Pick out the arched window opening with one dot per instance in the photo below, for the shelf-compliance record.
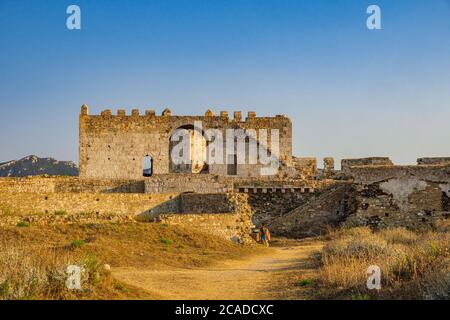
(147, 166)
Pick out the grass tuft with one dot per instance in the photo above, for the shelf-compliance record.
(305, 282)
(166, 241)
(60, 213)
(23, 224)
(78, 243)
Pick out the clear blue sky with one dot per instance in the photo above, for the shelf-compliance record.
(349, 91)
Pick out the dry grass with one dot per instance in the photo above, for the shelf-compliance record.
(33, 260)
(414, 265)
(39, 272)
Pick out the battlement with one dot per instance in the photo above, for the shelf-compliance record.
(151, 113)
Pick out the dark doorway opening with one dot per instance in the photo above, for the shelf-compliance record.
(232, 165)
(147, 166)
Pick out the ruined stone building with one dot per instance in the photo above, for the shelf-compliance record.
(123, 146)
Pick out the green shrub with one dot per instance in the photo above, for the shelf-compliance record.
(60, 212)
(304, 282)
(23, 224)
(93, 268)
(119, 286)
(78, 243)
(166, 241)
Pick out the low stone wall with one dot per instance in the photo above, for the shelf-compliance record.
(222, 225)
(207, 183)
(277, 185)
(347, 164)
(372, 174)
(49, 200)
(206, 203)
(109, 186)
(30, 184)
(70, 184)
(226, 215)
(434, 161)
(229, 216)
(179, 183)
(195, 203)
(75, 207)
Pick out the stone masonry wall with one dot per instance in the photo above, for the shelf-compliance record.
(232, 218)
(327, 209)
(45, 200)
(203, 183)
(371, 174)
(114, 146)
(406, 202)
(192, 203)
(434, 161)
(306, 167)
(206, 203)
(70, 184)
(40, 200)
(208, 183)
(328, 167)
(269, 206)
(412, 196)
(346, 164)
(416, 197)
(75, 207)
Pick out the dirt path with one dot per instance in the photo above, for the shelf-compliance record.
(273, 275)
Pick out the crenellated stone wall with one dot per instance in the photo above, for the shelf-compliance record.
(328, 167)
(114, 146)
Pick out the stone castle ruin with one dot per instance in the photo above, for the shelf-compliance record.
(127, 172)
(117, 146)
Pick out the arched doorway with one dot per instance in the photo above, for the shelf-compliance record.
(187, 150)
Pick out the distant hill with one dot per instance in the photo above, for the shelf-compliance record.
(33, 165)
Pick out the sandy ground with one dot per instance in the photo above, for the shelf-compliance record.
(272, 275)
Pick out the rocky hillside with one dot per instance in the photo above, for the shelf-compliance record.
(33, 165)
